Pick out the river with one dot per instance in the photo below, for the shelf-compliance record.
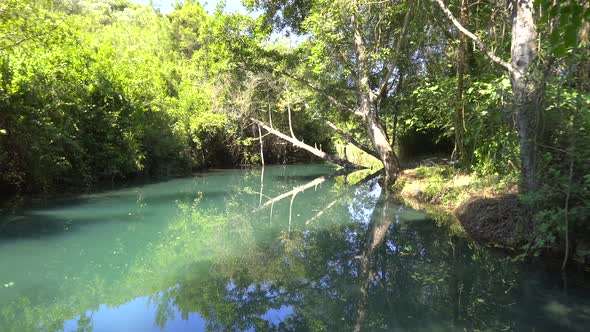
(284, 248)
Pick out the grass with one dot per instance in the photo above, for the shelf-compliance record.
(448, 187)
(442, 190)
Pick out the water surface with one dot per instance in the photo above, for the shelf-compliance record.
(287, 248)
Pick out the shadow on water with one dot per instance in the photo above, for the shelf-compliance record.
(9, 203)
(33, 226)
(73, 214)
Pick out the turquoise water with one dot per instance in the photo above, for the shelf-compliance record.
(287, 248)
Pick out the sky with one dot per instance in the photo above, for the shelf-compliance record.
(231, 6)
(166, 6)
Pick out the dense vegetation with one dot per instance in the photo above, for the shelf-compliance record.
(100, 90)
(96, 90)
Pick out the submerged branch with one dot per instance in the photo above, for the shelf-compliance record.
(295, 191)
(342, 195)
(312, 183)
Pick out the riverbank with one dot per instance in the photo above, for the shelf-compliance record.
(487, 209)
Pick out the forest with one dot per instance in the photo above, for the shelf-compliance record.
(95, 91)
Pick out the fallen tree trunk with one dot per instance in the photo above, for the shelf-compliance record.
(342, 195)
(295, 142)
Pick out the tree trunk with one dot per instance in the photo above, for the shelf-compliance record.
(526, 89)
(369, 114)
(459, 110)
(384, 150)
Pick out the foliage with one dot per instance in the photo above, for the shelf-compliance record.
(565, 155)
(102, 90)
(449, 187)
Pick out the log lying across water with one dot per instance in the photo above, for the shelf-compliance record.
(319, 153)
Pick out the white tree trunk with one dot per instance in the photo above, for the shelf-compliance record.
(374, 127)
(384, 149)
(526, 88)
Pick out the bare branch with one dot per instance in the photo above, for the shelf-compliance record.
(261, 146)
(348, 137)
(508, 66)
(295, 142)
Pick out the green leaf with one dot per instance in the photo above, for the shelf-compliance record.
(571, 36)
(560, 50)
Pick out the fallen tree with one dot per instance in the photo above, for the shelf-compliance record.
(319, 153)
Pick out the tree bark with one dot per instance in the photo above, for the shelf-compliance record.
(381, 143)
(459, 109)
(368, 112)
(295, 142)
(527, 90)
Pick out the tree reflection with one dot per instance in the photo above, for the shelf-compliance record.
(390, 268)
(383, 216)
(333, 256)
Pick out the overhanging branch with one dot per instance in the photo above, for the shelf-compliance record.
(295, 142)
(508, 66)
(349, 138)
(398, 48)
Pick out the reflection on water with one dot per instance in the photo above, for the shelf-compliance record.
(287, 248)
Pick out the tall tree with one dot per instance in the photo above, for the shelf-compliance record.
(460, 108)
(527, 88)
(351, 58)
